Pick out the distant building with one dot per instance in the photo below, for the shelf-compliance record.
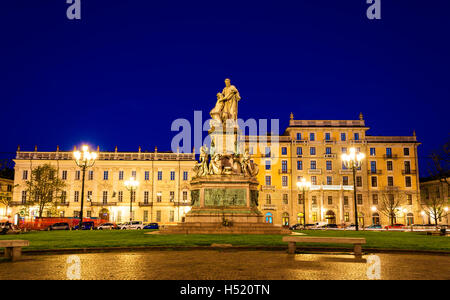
(309, 149)
(431, 187)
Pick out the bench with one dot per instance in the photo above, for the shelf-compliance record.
(357, 242)
(13, 248)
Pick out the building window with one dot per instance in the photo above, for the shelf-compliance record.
(299, 165)
(312, 150)
(91, 175)
(283, 151)
(300, 198)
(299, 136)
(390, 181)
(328, 150)
(89, 196)
(159, 197)
(374, 181)
(359, 199)
(406, 151)
(185, 175)
(77, 175)
(268, 180)
(284, 167)
(105, 175)
(344, 180)
(89, 214)
(285, 199)
(344, 150)
(76, 196)
(146, 175)
(389, 165)
(407, 165)
(105, 197)
(284, 181)
(267, 152)
(172, 175)
(268, 167)
(314, 216)
(268, 199)
(120, 197)
(145, 215)
(408, 181)
(299, 151)
(329, 180)
(185, 196)
(285, 219)
(313, 165)
(343, 137)
(409, 199)
(356, 136)
(345, 200)
(171, 216)
(373, 167)
(358, 181)
(346, 217)
(329, 165)
(133, 174)
(158, 216)
(375, 199)
(172, 196)
(159, 175)
(63, 196)
(120, 175)
(314, 200)
(330, 200)
(269, 218)
(24, 197)
(133, 196)
(63, 176)
(327, 136)
(372, 152)
(313, 180)
(76, 214)
(312, 137)
(388, 152)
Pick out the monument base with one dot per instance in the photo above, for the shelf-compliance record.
(218, 228)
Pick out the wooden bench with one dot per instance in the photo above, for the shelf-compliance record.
(13, 248)
(357, 242)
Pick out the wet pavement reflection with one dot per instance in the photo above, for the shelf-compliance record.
(227, 265)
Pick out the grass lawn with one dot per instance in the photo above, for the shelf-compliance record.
(123, 238)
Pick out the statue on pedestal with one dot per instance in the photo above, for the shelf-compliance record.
(227, 104)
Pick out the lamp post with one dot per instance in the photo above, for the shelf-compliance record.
(131, 185)
(353, 161)
(304, 185)
(84, 160)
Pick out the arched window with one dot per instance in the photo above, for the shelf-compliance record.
(375, 219)
(300, 218)
(269, 218)
(409, 219)
(285, 219)
(330, 216)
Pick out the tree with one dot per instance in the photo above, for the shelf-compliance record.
(390, 204)
(434, 206)
(6, 168)
(44, 188)
(6, 199)
(439, 166)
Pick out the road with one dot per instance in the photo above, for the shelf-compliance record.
(225, 265)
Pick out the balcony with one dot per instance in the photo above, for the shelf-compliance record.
(103, 203)
(16, 203)
(390, 156)
(300, 141)
(269, 207)
(182, 203)
(267, 187)
(345, 171)
(145, 204)
(408, 172)
(315, 171)
(329, 155)
(374, 172)
(65, 203)
(330, 141)
(284, 171)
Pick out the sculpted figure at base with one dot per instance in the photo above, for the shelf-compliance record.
(248, 168)
(215, 166)
(201, 168)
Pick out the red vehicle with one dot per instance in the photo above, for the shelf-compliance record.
(394, 226)
(45, 223)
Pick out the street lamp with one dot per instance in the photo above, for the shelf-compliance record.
(131, 185)
(84, 160)
(353, 161)
(304, 185)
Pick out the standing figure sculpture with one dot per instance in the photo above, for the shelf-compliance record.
(227, 103)
(201, 168)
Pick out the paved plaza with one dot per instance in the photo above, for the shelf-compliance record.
(226, 265)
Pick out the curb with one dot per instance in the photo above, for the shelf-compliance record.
(228, 248)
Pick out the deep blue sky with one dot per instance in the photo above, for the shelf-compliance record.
(122, 74)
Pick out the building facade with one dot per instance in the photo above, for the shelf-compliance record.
(6, 196)
(309, 149)
(435, 191)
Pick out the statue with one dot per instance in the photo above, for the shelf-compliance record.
(215, 165)
(227, 104)
(248, 168)
(201, 168)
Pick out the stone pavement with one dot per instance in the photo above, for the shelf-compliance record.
(225, 265)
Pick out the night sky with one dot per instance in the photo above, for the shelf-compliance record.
(127, 69)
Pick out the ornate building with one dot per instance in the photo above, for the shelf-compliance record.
(309, 149)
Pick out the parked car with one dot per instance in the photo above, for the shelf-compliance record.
(296, 226)
(106, 226)
(330, 226)
(132, 225)
(309, 226)
(350, 227)
(151, 226)
(375, 226)
(85, 226)
(394, 226)
(320, 225)
(59, 226)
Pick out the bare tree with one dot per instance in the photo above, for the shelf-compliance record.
(390, 204)
(6, 199)
(434, 207)
(44, 188)
(439, 166)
